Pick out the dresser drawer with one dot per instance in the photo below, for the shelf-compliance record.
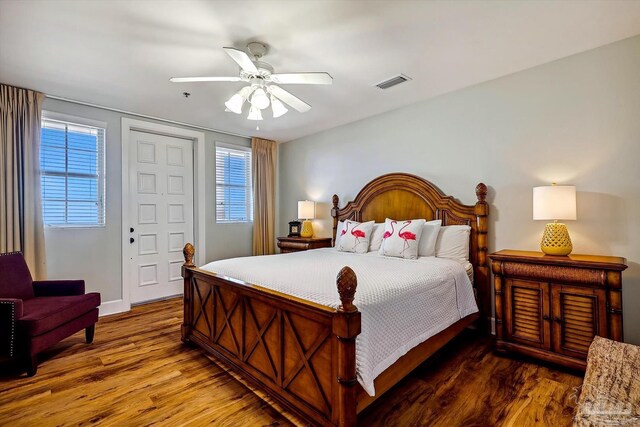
(297, 244)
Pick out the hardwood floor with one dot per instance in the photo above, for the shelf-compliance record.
(137, 372)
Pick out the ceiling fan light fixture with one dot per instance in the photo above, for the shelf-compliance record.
(234, 104)
(262, 89)
(254, 113)
(260, 99)
(278, 107)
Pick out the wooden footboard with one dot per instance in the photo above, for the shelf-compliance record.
(303, 354)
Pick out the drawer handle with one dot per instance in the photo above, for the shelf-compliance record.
(545, 317)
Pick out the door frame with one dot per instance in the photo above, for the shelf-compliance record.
(199, 223)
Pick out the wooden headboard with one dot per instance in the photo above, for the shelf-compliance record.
(403, 196)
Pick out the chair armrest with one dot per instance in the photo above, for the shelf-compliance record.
(58, 288)
(10, 312)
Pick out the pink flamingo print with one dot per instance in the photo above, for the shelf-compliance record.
(358, 234)
(388, 234)
(406, 236)
(344, 230)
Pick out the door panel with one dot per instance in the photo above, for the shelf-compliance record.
(527, 312)
(578, 315)
(161, 210)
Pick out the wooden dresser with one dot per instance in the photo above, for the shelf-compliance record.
(551, 307)
(297, 244)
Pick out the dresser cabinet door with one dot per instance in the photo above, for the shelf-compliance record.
(527, 313)
(578, 315)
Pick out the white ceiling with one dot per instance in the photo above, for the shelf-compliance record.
(120, 54)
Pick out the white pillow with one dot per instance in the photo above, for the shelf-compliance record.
(355, 236)
(453, 242)
(338, 232)
(427, 246)
(376, 236)
(401, 238)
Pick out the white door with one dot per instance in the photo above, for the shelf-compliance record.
(160, 212)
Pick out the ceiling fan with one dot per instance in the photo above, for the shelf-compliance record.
(262, 90)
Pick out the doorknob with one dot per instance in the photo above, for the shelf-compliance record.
(131, 240)
(131, 230)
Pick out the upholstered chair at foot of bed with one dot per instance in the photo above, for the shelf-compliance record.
(32, 360)
(35, 315)
(88, 333)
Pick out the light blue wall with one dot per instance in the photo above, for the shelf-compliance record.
(95, 254)
(575, 121)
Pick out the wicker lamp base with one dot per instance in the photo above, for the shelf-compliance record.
(307, 229)
(556, 240)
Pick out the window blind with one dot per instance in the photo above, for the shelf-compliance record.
(72, 174)
(234, 200)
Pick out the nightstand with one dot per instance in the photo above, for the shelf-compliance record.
(551, 307)
(297, 244)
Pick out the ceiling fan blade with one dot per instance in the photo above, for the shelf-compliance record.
(302, 78)
(242, 59)
(204, 79)
(289, 99)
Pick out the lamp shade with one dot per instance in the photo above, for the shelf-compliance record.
(260, 99)
(554, 202)
(306, 209)
(277, 107)
(254, 113)
(234, 104)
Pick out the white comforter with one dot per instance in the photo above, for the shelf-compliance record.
(403, 302)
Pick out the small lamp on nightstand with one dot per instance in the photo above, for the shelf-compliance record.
(555, 202)
(306, 211)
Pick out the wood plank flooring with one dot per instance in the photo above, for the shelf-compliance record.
(138, 373)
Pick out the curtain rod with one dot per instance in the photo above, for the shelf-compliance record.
(160, 119)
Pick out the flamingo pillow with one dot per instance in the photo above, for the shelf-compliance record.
(401, 238)
(354, 237)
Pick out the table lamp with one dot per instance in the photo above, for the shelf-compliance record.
(555, 202)
(306, 211)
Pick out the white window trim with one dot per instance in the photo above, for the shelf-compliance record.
(50, 115)
(82, 121)
(238, 148)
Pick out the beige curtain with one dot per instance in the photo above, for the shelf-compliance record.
(263, 167)
(21, 226)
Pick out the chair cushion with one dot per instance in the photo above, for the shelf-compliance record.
(42, 314)
(15, 278)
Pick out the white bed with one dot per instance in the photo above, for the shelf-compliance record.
(403, 302)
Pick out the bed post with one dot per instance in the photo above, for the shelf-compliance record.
(334, 213)
(482, 277)
(346, 327)
(188, 252)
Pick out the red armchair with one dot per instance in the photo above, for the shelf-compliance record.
(34, 315)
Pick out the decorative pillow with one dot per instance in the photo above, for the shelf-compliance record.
(339, 229)
(427, 246)
(401, 238)
(453, 242)
(355, 236)
(376, 236)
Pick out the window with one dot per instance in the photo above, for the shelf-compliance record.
(72, 174)
(234, 201)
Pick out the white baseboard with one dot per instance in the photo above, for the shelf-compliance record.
(157, 299)
(113, 307)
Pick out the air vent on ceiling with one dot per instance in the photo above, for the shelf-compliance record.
(393, 81)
